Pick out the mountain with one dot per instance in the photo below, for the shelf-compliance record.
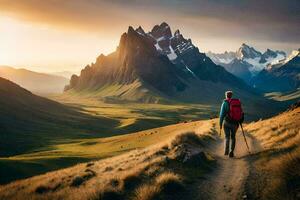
(281, 77)
(239, 68)
(28, 121)
(247, 62)
(222, 58)
(156, 66)
(40, 83)
(247, 52)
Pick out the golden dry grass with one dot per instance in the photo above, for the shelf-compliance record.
(280, 131)
(277, 166)
(164, 184)
(132, 175)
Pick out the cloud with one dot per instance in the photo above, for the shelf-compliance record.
(264, 20)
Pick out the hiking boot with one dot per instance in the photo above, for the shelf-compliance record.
(231, 154)
(226, 153)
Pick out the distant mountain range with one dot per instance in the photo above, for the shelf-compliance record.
(156, 66)
(247, 62)
(40, 83)
(283, 76)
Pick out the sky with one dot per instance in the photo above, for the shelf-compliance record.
(60, 35)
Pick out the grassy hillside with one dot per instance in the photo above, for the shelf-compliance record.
(172, 162)
(175, 158)
(277, 166)
(135, 113)
(29, 122)
(39, 83)
(57, 156)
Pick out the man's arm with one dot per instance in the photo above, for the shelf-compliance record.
(223, 112)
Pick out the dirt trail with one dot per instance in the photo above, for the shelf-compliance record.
(227, 182)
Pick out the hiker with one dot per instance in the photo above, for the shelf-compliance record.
(232, 114)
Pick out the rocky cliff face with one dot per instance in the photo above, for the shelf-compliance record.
(162, 62)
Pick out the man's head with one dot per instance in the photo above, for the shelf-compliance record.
(228, 94)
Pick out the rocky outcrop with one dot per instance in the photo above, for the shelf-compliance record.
(162, 63)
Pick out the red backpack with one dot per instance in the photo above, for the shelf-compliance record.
(235, 110)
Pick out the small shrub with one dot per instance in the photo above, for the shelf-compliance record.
(114, 182)
(107, 169)
(165, 148)
(77, 181)
(42, 189)
(186, 138)
(89, 173)
(147, 192)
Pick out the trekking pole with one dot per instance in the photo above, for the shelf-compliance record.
(245, 138)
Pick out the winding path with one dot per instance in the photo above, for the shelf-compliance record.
(228, 181)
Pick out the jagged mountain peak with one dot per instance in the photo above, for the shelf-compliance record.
(152, 63)
(281, 76)
(245, 51)
(162, 30)
(273, 53)
(140, 30)
(247, 57)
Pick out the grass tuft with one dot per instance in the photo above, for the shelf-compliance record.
(186, 138)
(147, 192)
(169, 182)
(111, 194)
(132, 180)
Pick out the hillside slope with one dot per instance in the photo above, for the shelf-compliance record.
(39, 83)
(277, 165)
(164, 162)
(28, 121)
(186, 163)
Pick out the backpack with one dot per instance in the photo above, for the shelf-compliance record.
(235, 113)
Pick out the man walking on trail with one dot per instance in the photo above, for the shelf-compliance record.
(232, 114)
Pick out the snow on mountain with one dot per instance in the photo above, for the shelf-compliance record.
(168, 44)
(247, 57)
(257, 65)
(246, 52)
(294, 54)
(283, 77)
(155, 65)
(221, 58)
(280, 62)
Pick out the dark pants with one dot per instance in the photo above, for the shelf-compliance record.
(230, 131)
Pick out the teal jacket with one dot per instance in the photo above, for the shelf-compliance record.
(224, 111)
